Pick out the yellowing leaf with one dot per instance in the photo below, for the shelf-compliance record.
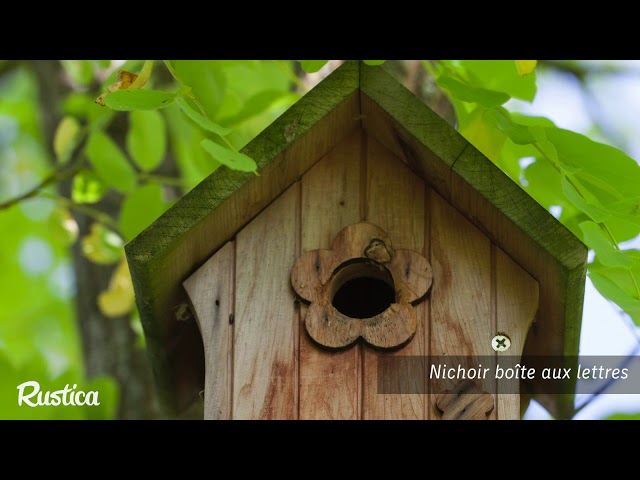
(525, 67)
(63, 227)
(101, 245)
(66, 139)
(125, 80)
(118, 299)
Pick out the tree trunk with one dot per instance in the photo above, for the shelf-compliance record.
(108, 343)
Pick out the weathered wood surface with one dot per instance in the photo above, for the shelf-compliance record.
(408, 128)
(265, 331)
(465, 402)
(493, 203)
(329, 381)
(185, 236)
(544, 248)
(212, 295)
(354, 96)
(361, 250)
(396, 202)
(516, 306)
(462, 319)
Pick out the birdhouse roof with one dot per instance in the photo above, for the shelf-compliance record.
(355, 96)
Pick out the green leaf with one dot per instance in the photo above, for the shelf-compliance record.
(79, 70)
(596, 212)
(140, 209)
(544, 183)
(207, 81)
(101, 64)
(620, 284)
(66, 139)
(229, 158)
(624, 416)
(87, 187)
(137, 99)
(63, 227)
(531, 120)
(201, 120)
(518, 134)
(484, 135)
(526, 67)
(612, 169)
(615, 284)
(118, 299)
(622, 230)
(500, 76)
(311, 66)
(255, 105)
(84, 106)
(146, 139)
(193, 162)
(472, 94)
(110, 164)
(606, 252)
(136, 326)
(607, 181)
(101, 245)
(373, 63)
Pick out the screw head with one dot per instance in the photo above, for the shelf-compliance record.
(501, 342)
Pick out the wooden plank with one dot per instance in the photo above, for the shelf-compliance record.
(185, 236)
(462, 322)
(395, 202)
(330, 381)
(494, 204)
(465, 402)
(516, 306)
(407, 127)
(197, 226)
(544, 248)
(265, 330)
(211, 292)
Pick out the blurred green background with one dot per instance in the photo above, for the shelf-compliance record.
(78, 180)
(68, 313)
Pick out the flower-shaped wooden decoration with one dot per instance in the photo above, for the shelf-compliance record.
(465, 402)
(362, 287)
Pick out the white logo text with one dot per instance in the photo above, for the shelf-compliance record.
(66, 396)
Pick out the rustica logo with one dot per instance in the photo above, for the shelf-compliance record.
(66, 396)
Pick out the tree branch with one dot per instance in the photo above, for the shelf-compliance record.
(57, 175)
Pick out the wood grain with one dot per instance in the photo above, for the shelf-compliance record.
(211, 291)
(462, 323)
(361, 251)
(544, 248)
(495, 204)
(330, 382)
(265, 381)
(516, 307)
(355, 96)
(395, 202)
(465, 402)
(407, 127)
(187, 234)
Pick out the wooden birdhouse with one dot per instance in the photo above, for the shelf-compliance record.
(374, 231)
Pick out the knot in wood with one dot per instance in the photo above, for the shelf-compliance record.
(377, 251)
